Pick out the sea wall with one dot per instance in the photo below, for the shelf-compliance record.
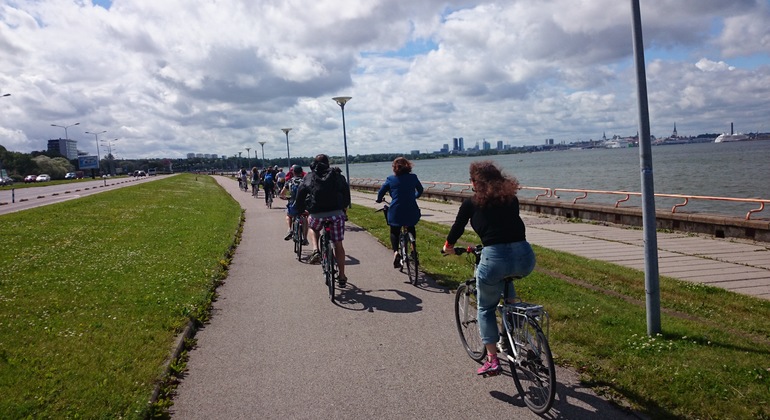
(720, 226)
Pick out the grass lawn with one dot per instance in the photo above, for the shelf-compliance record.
(711, 361)
(94, 291)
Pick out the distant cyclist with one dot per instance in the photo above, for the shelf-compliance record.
(254, 180)
(289, 192)
(404, 189)
(244, 181)
(268, 184)
(325, 194)
(280, 178)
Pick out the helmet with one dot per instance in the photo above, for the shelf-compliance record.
(296, 169)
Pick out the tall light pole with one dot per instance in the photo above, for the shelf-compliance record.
(341, 101)
(65, 127)
(96, 136)
(239, 160)
(110, 157)
(262, 143)
(248, 157)
(288, 157)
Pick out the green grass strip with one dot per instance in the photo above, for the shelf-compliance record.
(712, 360)
(94, 291)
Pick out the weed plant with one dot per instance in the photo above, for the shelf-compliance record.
(94, 291)
(712, 359)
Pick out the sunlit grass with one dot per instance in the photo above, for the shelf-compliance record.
(712, 359)
(94, 291)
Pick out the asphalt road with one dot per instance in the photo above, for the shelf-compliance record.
(25, 198)
(276, 347)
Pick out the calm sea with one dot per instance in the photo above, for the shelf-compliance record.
(740, 169)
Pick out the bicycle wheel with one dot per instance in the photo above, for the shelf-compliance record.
(327, 261)
(270, 200)
(534, 374)
(412, 264)
(296, 233)
(466, 316)
(403, 251)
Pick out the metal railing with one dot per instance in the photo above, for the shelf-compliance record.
(686, 198)
(462, 189)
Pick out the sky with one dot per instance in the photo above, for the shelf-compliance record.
(166, 78)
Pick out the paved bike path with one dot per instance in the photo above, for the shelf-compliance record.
(277, 348)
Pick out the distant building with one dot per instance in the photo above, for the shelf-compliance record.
(445, 149)
(499, 145)
(67, 148)
(485, 145)
(462, 145)
(191, 156)
(414, 152)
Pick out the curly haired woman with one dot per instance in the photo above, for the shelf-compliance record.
(494, 215)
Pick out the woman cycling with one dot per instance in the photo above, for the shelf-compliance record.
(404, 188)
(494, 215)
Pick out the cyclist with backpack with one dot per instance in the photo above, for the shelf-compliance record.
(325, 194)
(268, 183)
(291, 187)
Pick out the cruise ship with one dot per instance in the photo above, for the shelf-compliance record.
(725, 138)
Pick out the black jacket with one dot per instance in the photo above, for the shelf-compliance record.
(323, 190)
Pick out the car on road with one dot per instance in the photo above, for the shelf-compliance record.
(6, 181)
(43, 178)
(152, 172)
(30, 178)
(70, 175)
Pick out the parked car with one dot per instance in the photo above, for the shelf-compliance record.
(70, 175)
(43, 178)
(6, 181)
(152, 172)
(140, 173)
(30, 178)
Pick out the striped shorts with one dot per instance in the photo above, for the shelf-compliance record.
(338, 226)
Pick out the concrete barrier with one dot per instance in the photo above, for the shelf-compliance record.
(720, 226)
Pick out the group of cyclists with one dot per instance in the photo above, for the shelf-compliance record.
(323, 194)
(271, 179)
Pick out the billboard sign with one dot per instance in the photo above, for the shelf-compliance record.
(88, 162)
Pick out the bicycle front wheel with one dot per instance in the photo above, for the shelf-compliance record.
(534, 373)
(296, 236)
(466, 317)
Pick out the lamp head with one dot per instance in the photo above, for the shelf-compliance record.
(286, 130)
(342, 100)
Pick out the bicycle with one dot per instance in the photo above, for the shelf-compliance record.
(407, 249)
(298, 234)
(269, 200)
(328, 261)
(255, 190)
(529, 356)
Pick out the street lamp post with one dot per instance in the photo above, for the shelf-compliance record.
(110, 157)
(239, 160)
(98, 158)
(341, 101)
(262, 143)
(65, 127)
(288, 157)
(248, 157)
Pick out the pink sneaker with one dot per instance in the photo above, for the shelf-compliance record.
(490, 368)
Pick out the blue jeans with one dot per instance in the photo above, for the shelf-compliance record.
(498, 262)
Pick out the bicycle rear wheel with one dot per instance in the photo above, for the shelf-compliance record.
(466, 317)
(412, 264)
(534, 374)
(296, 237)
(327, 260)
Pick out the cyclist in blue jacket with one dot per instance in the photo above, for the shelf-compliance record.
(404, 189)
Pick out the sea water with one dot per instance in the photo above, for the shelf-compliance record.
(738, 169)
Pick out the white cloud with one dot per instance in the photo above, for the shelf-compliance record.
(173, 77)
